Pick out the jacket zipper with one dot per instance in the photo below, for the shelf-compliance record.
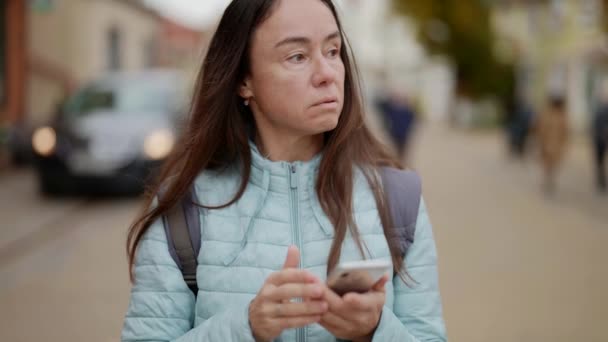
(293, 195)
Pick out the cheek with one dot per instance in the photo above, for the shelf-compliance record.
(294, 86)
(282, 92)
(341, 76)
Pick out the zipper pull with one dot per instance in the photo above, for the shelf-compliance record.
(293, 179)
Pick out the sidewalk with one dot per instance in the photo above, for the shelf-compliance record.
(514, 265)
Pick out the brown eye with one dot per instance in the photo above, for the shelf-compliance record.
(299, 58)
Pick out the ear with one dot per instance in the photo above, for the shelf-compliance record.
(245, 88)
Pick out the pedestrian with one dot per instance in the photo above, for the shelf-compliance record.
(519, 128)
(277, 153)
(399, 118)
(600, 141)
(552, 129)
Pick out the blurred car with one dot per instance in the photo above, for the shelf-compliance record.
(111, 135)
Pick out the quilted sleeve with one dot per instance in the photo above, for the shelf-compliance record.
(417, 313)
(162, 307)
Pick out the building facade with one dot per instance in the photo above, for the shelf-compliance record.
(73, 41)
(12, 60)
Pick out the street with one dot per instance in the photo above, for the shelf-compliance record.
(514, 265)
(63, 271)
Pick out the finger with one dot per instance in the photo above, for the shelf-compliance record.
(295, 290)
(333, 321)
(358, 302)
(336, 303)
(292, 260)
(291, 275)
(297, 322)
(338, 307)
(332, 298)
(363, 302)
(312, 308)
(379, 285)
(352, 299)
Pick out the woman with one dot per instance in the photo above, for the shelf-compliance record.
(552, 128)
(279, 154)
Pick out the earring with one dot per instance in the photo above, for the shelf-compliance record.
(246, 102)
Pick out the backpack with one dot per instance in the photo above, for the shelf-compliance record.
(182, 222)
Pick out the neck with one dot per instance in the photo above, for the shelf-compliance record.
(279, 147)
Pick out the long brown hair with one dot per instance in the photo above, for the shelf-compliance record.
(216, 136)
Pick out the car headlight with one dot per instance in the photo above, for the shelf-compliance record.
(158, 144)
(44, 141)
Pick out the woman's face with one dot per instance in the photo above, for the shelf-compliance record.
(296, 83)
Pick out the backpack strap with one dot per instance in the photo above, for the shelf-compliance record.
(403, 191)
(182, 227)
(182, 222)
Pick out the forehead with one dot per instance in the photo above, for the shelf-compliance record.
(306, 18)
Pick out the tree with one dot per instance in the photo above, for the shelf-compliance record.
(462, 31)
(605, 15)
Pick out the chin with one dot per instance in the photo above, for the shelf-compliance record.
(326, 125)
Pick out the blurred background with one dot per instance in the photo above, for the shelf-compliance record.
(501, 106)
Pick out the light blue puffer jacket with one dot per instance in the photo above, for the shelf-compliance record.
(245, 242)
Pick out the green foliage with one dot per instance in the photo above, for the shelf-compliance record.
(462, 31)
(605, 15)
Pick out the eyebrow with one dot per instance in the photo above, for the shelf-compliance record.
(304, 40)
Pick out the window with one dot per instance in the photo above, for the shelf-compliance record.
(41, 6)
(89, 100)
(150, 53)
(128, 98)
(114, 49)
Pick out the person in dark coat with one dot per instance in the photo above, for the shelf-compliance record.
(399, 118)
(600, 142)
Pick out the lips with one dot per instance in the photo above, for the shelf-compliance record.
(326, 100)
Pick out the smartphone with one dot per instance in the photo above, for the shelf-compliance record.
(357, 276)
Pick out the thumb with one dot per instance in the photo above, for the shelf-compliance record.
(292, 260)
(379, 285)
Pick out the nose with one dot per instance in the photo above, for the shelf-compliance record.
(324, 72)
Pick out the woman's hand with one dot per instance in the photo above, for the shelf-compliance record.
(272, 310)
(354, 316)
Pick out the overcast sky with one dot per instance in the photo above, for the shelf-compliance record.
(194, 13)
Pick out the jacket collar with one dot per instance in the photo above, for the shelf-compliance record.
(282, 173)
